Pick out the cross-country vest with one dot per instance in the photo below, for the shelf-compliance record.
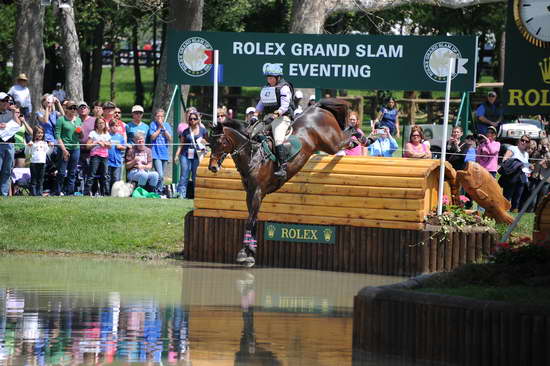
(270, 96)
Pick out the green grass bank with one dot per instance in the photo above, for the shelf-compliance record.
(106, 225)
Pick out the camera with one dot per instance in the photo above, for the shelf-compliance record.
(380, 131)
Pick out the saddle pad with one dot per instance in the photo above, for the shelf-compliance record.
(292, 145)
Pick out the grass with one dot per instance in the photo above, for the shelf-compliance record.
(514, 294)
(107, 225)
(125, 88)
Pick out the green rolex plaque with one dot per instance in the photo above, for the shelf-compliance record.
(300, 233)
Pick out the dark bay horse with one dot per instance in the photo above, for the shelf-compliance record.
(320, 127)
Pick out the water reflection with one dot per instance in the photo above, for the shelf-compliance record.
(60, 311)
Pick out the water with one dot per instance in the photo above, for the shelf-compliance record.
(80, 310)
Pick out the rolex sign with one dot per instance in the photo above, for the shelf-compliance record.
(527, 64)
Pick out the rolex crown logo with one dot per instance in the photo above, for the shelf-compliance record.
(328, 234)
(271, 231)
(545, 69)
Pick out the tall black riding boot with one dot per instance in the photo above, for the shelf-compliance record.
(281, 168)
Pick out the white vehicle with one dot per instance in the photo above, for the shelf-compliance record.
(510, 132)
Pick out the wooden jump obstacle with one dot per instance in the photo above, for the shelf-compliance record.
(376, 207)
(541, 230)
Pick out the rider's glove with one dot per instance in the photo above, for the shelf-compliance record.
(254, 119)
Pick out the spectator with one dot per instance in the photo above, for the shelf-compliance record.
(385, 145)
(249, 115)
(489, 113)
(358, 138)
(88, 125)
(47, 117)
(68, 131)
(116, 154)
(160, 135)
(109, 114)
(416, 148)
(311, 100)
(471, 155)
(542, 169)
(515, 171)
(298, 96)
(59, 93)
(139, 162)
(183, 124)
(37, 150)
(99, 141)
(188, 153)
(136, 125)
(8, 127)
(221, 114)
(389, 116)
(22, 136)
(97, 109)
(21, 94)
(488, 150)
(454, 148)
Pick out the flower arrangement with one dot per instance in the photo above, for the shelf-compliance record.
(455, 216)
(521, 250)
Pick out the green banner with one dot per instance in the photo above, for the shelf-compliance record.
(323, 61)
(527, 61)
(300, 233)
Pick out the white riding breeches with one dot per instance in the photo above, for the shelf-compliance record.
(279, 126)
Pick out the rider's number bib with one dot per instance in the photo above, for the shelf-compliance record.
(268, 96)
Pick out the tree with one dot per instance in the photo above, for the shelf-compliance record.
(71, 52)
(29, 54)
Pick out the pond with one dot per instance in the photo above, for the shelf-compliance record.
(88, 310)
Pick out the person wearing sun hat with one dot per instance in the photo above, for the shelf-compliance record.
(21, 94)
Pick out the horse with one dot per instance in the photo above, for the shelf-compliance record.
(321, 127)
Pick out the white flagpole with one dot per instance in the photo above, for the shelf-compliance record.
(215, 101)
(444, 142)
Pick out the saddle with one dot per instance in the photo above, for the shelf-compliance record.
(261, 133)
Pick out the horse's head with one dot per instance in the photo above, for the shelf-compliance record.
(222, 143)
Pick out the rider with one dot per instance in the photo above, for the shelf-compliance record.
(277, 98)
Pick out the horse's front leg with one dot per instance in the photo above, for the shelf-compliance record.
(248, 252)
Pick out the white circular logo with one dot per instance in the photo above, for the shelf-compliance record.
(436, 61)
(191, 56)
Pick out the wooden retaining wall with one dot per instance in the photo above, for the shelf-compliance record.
(379, 192)
(399, 327)
(357, 249)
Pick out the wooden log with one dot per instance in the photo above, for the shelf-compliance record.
(336, 212)
(314, 220)
(333, 178)
(325, 199)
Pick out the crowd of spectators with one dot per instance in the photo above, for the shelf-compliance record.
(75, 149)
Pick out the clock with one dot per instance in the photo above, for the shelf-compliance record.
(532, 18)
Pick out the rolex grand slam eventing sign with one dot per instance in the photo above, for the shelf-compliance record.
(324, 61)
(527, 64)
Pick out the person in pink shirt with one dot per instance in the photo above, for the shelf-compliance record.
(99, 142)
(487, 151)
(353, 122)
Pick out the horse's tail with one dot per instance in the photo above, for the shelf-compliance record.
(338, 107)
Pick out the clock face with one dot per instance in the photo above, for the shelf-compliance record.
(533, 20)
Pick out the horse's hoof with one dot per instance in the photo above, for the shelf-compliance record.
(242, 255)
(249, 262)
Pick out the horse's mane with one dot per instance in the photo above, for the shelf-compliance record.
(234, 124)
(338, 107)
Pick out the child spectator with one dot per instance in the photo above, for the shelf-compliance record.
(116, 154)
(100, 141)
(487, 151)
(470, 142)
(37, 149)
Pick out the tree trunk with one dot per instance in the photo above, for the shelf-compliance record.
(97, 63)
(29, 56)
(137, 70)
(71, 54)
(308, 16)
(184, 15)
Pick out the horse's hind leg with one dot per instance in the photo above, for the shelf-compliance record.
(248, 252)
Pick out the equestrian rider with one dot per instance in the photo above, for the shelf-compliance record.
(277, 98)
